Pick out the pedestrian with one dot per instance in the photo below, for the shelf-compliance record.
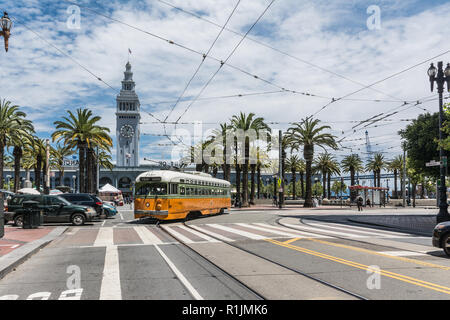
(368, 203)
(359, 203)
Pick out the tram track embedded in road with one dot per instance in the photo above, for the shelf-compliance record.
(328, 284)
(261, 297)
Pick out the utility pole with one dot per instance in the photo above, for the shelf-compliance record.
(280, 170)
(98, 174)
(47, 171)
(404, 175)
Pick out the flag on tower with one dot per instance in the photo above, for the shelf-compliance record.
(129, 50)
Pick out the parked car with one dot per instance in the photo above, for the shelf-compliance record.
(109, 209)
(441, 236)
(85, 199)
(54, 209)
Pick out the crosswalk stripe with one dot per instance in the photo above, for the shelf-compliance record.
(298, 232)
(383, 233)
(110, 288)
(177, 235)
(147, 236)
(319, 225)
(213, 234)
(198, 234)
(105, 237)
(282, 233)
(403, 253)
(239, 232)
(301, 227)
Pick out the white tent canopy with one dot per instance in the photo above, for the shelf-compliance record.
(109, 188)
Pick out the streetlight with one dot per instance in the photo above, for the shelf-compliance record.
(5, 24)
(74, 185)
(441, 76)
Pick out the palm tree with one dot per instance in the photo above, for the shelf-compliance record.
(19, 139)
(80, 131)
(11, 121)
(396, 166)
(293, 164)
(376, 165)
(58, 155)
(327, 165)
(247, 123)
(37, 150)
(352, 164)
(308, 133)
(220, 137)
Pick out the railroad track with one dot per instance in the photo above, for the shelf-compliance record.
(299, 272)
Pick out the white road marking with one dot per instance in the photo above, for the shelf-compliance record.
(302, 233)
(121, 216)
(239, 232)
(279, 232)
(147, 236)
(105, 237)
(360, 229)
(180, 276)
(198, 234)
(110, 287)
(177, 235)
(301, 227)
(403, 253)
(103, 223)
(218, 236)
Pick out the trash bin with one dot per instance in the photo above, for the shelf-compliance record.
(32, 217)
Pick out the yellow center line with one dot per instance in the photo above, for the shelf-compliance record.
(423, 263)
(389, 274)
(291, 240)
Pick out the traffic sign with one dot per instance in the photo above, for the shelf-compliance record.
(433, 163)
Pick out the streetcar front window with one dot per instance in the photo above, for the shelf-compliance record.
(151, 189)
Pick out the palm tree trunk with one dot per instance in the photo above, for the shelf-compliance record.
(395, 184)
(258, 177)
(252, 183)
(245, 174)
(324, 181)
(37, 172)
(44, 175)
(374, 178)
(329, 185)
(308, 193)
(293, 179)
(352, 182)
(302, 191)
(17, 156)
(379, 178)
(414, 194)
(90, 170)
(81, 167)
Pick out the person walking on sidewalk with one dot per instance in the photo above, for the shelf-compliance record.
(359, 203)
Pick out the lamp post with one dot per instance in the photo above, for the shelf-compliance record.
(5, 32)
(74, 177)
(441, 76)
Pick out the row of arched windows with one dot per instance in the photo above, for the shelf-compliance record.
(127, 106)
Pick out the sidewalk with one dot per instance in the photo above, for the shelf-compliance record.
(421, 224)
(18, 244)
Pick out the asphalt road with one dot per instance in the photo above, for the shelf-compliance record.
(121, 258)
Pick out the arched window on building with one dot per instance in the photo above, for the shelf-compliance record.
(124, 183)
(105, 180)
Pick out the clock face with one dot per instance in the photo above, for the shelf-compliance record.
(126, 131)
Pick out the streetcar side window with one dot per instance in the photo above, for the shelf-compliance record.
(182, 192)
(173, 188)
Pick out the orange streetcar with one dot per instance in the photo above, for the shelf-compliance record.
(170, 195)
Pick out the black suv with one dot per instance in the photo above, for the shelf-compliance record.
(54, 209)
(85, 199)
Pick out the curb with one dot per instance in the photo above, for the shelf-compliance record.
(418, 232)
(11, 260)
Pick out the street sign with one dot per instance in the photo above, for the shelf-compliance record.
(433, 163)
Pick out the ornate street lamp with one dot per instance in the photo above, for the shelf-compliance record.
(441, 76)
(5, 24)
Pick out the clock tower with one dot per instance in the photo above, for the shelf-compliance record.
(127, 122)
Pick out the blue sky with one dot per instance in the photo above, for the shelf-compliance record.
(332, 36)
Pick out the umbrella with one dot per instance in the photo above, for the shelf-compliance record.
(28, 191)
